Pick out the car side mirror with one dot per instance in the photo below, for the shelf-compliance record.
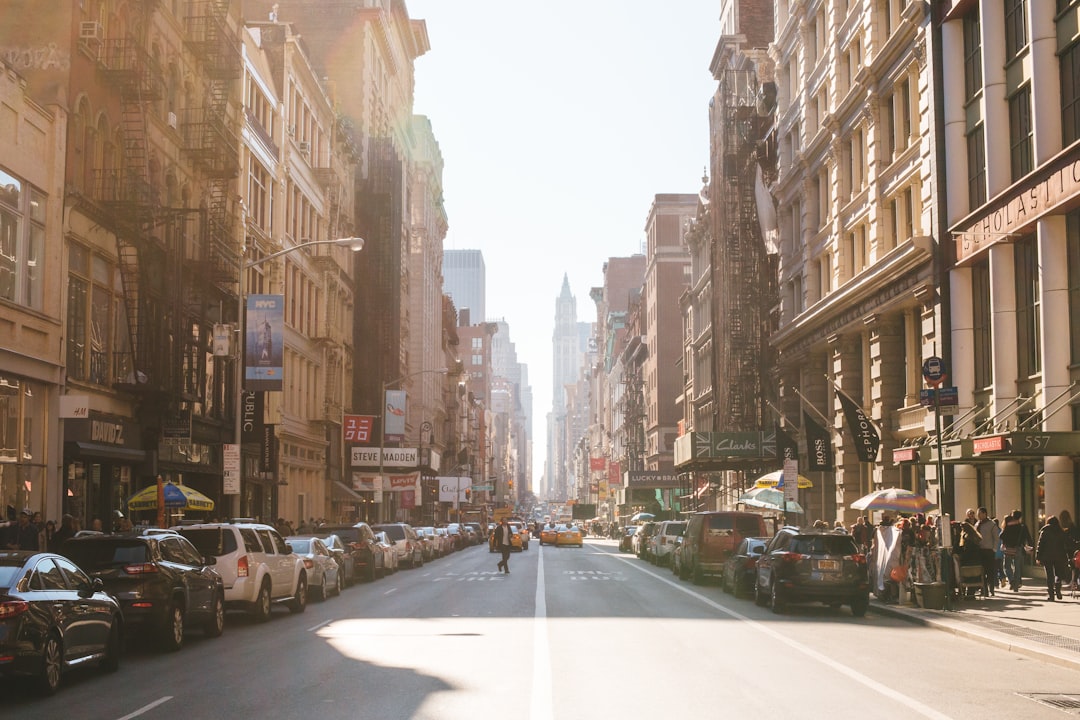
(96, 586)
(209, 560)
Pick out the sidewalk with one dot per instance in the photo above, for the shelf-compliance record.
(1023, 622)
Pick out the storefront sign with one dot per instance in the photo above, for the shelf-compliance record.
(102, 429)
(358, 428)
(251, 418)
(900, 455)
(391, 457)
(704, 446)
(651, 479)
(75, 406)
(994, 443)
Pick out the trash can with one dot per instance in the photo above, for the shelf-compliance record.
(930, 595)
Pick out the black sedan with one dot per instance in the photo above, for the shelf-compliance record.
(740, 568)
(163, 583)
(52, 617)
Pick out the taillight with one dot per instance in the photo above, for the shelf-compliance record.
(11, 608)
(857, 558)
(242, 566)
(791, 557)
(308, 563)
(140, 569)
(663, 540)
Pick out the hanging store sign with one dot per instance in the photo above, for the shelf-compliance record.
(391, 457)
(359, 428)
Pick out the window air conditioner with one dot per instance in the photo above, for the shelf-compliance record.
(304, 147)
(91, 32)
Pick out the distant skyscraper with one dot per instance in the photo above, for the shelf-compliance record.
(566, 346)
(464, 281)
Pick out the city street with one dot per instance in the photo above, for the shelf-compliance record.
(570, 633)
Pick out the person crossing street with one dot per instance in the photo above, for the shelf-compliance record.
(503, 535)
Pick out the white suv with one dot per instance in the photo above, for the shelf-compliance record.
(255, 563)
(663, 542)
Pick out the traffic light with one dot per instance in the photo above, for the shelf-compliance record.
(468, 493)
(511, 482)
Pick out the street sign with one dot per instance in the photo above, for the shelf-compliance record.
(947, 397)
(934, 371)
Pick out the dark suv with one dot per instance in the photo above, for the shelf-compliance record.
(359, 539)
(812, 566)
(162, 582)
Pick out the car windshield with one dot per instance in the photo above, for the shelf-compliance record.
(823, 545)
(210, 541)
(96, 555)
(300, 545)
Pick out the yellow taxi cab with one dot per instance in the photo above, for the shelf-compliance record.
(548, 535)
(569, 535)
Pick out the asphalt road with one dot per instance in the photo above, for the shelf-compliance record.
(571, 633)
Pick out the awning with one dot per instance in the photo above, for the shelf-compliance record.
(341, 492)
(108, 452)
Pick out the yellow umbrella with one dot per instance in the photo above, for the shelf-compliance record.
(174, 496)
(776, 478)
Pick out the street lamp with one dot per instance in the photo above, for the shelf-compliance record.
(356, 244)
(426, 430)
(382, 413)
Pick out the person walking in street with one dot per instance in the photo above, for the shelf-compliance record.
(503, 533)
(988, 542)
(1050, 553)
(1072, 543)
(1015, 540)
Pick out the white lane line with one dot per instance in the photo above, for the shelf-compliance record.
(146, 708)
(541, 681)
(920, 708)
(322, 624)
(390, 591)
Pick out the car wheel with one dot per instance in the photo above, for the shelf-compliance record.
(371, 570)
(776, 600)
(860, 605)
(724, 587)
(261, 609)
(759, 597)
(51, 665)
(298, 604)
(699, 576)
(172, 632)
(111, 662)
(320, 591)
(684, 571)
(216, 624)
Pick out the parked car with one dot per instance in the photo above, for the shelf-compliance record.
(663, 540)
(812, 565)
(163, 583)
(54, 616)
(710, 537)
(458, 535)
(426, 536)
(342, 555)
(476, 533)
(446, 543)
(386, 555)
(641, 539)
(410, 551)
(676, 555)
(324, 577)
(569, 535)
(255, 564)
(359, 540)
(626, 540)
(741, 567)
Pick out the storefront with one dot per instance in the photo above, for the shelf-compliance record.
(23, 442)
(102, 455)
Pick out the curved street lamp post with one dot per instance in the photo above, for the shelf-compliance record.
(356, 244)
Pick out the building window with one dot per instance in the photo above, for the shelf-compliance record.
(1020, 133)
(983, 350)
(1028, 308)
(477, 359)
(478, 343)
(1070, 93)
(972, 55)
(22, 241)
(1016, 37)
(260, 195)
(91, 317)
(976, 158)
(1072, 240)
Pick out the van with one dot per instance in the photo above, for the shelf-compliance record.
(710, 537)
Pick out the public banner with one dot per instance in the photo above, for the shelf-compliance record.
(251, 421)
(863, 431)
(394, 416)
(263, 346)
(359, 429)
(818, 444)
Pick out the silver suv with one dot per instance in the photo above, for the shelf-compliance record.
(255, 564)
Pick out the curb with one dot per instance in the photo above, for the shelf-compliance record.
(944, 620)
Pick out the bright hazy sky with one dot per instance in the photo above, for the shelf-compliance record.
(558, 124)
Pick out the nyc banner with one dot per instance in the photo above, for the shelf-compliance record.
(265, 327)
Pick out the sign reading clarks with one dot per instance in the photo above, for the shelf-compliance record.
(391, 457)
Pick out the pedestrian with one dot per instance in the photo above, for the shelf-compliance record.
(45, 537)
(1072, 542)
(862, 533)
(988, 542)
(1015, 539)
(1050, 553)
(502, 540)
(25, 536)
(64, 532)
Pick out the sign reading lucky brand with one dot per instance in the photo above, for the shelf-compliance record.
(391, 457)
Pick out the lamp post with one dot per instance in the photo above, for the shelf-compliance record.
(356, 244)
(382, 410)
(426, 428)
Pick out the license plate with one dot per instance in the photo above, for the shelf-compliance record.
(829, 565)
